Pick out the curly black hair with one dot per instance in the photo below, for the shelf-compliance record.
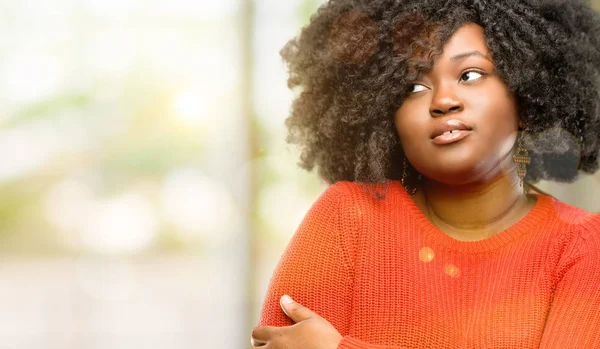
(353, 63)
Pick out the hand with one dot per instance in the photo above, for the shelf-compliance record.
(310, 331)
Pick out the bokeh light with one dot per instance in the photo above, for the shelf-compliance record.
(124, 224)
(451, 270)
(426, 254)
(190, 107)
(200, 207)
(27, 148)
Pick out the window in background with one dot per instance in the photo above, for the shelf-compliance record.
(285, 192)
(122, 136)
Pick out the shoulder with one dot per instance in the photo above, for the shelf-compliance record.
(352, 190)
(360, 208)
(584, 228)
(375, 201)
(349, 199)
(338, 205)
(584, 252)
(589, 235)
(572, 214)
(570, 234)
(366, 193)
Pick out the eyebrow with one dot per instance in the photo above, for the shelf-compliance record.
(462, 56)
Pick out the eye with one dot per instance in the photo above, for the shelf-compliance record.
(417, 88)
(474, 74)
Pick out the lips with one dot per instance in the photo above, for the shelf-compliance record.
(449, 126)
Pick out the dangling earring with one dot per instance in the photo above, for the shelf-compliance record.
(411, 191)
(521, 158)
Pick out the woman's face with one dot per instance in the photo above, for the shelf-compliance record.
(461, 92)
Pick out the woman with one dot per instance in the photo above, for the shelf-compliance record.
(430, 118)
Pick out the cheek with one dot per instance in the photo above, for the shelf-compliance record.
(408, 126)
(497, 126)
(499, 117)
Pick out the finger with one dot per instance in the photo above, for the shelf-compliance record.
(262, 334)
(294, 310)
(257, 343)
(266, 346)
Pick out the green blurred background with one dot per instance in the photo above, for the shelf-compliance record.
(146, 191)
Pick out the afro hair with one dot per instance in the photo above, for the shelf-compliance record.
(353, 63)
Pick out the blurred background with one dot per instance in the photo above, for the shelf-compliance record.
(146, 190)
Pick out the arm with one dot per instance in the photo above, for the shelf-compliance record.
(574, 317)
(315, 268)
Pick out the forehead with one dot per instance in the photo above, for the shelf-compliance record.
(469, 37)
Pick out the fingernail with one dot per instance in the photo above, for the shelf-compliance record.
(286, 299)
(257, 343)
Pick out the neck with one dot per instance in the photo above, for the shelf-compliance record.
(476, 211)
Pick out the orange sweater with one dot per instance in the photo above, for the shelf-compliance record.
(386, 277)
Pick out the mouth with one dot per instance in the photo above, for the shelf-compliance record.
(450, 131)
(451, 136)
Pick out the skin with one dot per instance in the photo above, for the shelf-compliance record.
(310, 331)
(472, 188)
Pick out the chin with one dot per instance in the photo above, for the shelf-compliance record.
(468, 175)
(460, 165)
(458, 172)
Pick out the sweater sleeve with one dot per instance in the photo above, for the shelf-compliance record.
(574, 317)
(315, 267)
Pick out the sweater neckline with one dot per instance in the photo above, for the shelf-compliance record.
(530, 223)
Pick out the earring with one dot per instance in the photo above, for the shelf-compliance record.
(411, 191)
(521, 158)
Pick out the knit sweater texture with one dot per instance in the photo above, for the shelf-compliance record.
(386, 277)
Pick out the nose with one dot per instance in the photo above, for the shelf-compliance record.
(445, 101)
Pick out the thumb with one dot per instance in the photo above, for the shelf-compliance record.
(294, 310)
